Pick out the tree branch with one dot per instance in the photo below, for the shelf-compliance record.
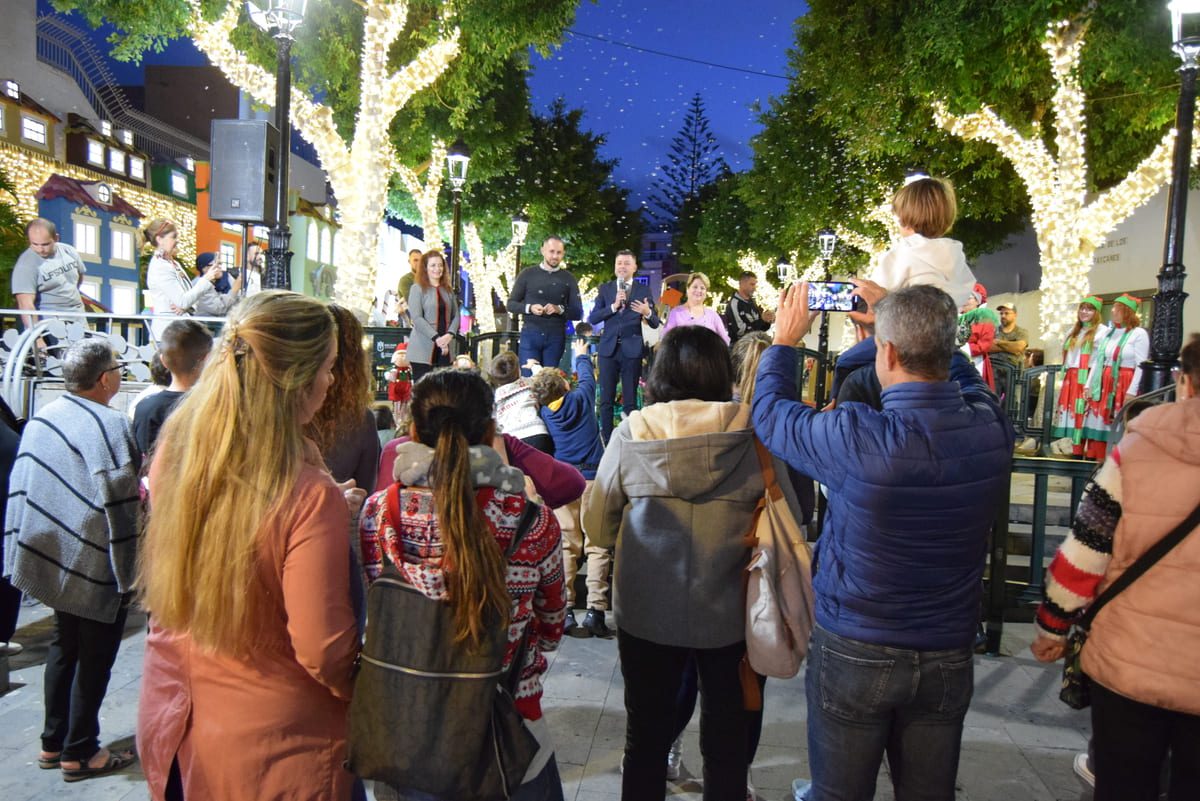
(419, 73)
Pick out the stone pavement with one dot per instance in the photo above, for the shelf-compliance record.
(1018, 745)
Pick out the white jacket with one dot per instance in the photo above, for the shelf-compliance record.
(938, 262)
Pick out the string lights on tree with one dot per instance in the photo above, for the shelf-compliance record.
(1069, 229)
(426, 195)
(488, 273)
(359, 170)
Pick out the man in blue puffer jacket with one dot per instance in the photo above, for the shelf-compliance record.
(913, 491)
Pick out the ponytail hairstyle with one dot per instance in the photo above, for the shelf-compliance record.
(452, 410)
(225, 466)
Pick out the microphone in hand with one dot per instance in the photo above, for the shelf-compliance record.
(622, 294)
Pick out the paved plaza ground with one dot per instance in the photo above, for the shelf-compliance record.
(1018, 745)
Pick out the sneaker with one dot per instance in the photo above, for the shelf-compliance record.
(11, 648)
(1083, 769)
(675, 758)
(750, 796)
(1027, 445)
(593, 624)
(570, 624)
(800, 788)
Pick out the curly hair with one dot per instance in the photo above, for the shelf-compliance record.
(350, 395)
(548, 385)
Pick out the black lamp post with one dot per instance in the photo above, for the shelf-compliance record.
(1166, 334)
(280, 18)
(458, 157)
(828, 241)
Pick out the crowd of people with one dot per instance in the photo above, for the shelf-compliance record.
(354, 593)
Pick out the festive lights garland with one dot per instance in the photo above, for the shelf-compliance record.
(29, 171)
(359, 171)
(1068, 228)
(426, 195)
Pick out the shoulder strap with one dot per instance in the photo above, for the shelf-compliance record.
(765, 463)
(391, 507)
(1142, 564)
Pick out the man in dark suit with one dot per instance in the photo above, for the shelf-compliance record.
(621, 305)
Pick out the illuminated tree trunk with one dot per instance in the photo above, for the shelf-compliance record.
(360, 170)
(1069, 229)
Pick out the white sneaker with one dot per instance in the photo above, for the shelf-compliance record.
(675, 758)
(1083, 769)
(11, 648)
(800, 788)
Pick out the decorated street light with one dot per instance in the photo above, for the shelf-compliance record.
(458, 158)
(1166, 333)
(280, 18)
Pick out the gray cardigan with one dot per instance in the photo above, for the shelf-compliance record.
(676, 491)
(70, 533)
(422, 305)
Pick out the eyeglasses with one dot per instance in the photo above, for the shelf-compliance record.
(114, 367)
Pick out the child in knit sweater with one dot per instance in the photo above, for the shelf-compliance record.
(516, 410)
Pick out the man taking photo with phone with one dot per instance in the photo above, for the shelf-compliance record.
(913, 491)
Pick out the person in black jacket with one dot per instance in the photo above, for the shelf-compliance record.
(548, 296)
(742, 314)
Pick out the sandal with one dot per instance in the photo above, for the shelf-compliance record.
(50, 762)
(117, 760)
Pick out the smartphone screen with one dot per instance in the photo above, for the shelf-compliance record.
(831, 296)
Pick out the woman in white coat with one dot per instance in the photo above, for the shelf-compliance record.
(172, 293)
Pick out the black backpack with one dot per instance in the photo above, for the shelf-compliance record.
(428, 714)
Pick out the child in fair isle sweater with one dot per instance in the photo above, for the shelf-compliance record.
(925, 209)
(516, 410)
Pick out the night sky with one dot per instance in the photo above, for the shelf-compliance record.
(638, 99)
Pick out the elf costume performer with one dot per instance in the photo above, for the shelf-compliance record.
(977, 326)
(1115, 373)
(399, 383)
(1077, 360)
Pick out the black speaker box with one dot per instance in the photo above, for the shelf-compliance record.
(245, 171)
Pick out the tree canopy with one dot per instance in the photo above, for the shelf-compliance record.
(857, 112)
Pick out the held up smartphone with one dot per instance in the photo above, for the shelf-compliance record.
(833, 296)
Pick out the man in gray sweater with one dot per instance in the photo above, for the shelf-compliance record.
(70, 540)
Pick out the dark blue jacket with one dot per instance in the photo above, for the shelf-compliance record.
(622, 334)
(913, 493)
(573, 425)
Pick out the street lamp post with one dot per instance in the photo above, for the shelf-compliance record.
(828, 241)
(458, 157)
(1166, 334)
(280, 18)
(520, 230)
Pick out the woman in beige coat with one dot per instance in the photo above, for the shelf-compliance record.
(245, 573)
(1143, 650)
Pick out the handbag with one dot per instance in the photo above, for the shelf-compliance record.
(779, 593)
(1076, 689)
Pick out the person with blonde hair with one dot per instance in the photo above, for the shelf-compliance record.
(1115, 375)
(694, 312)
(245, 571)
(171, 289)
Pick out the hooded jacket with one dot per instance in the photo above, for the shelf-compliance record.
(939, 262)
(675, 492)
(1145, 644)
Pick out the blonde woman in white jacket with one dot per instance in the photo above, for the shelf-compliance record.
(171, 288)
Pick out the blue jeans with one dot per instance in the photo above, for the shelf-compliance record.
(865, 699)
(546, 348)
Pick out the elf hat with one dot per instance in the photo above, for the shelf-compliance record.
(1130, 301)
(980, 291)
(402, 346)
(1094, 302)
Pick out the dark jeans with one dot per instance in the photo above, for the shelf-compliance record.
(544, 347)
(685, 707)
(78, 665)
(1131, 739)
(865, 699)
(631, 373)
(653, 673)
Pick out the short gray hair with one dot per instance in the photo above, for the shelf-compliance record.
(921, 323)
(85, 362)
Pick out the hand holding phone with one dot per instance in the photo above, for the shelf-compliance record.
(836, 296)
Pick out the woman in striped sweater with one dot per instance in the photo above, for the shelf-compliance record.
(1143, 648)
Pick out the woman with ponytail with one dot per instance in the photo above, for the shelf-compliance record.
(458, 507)
(245, 570)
